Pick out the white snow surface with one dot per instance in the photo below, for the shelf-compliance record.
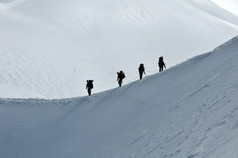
(229, 5)
(187, 111)
(49, 48)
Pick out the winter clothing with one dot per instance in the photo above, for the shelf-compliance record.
(89, 86)
(161, 64)
(141, 70)
(120, 77)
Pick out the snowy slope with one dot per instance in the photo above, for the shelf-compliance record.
(229, 5)
(187, 111)
(49, 48)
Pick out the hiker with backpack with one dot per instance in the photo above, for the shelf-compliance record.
(120, 77)
(141, 70)
(161, 64)
(89, 86)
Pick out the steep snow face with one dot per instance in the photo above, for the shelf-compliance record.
(51, 48)
(189, 110)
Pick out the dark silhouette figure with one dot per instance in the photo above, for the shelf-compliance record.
(141, 70)
(161, 64)
(120, 77)
(89, 86)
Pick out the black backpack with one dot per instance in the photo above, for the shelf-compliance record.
(121, 75)
(141, 68)
(90, 84)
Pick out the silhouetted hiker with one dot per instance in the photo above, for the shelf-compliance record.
(161, 64)
(89, 86)
(141, 70)
(120, 77)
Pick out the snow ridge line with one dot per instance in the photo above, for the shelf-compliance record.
(64, 100)
(9, 101)
(225, 44)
